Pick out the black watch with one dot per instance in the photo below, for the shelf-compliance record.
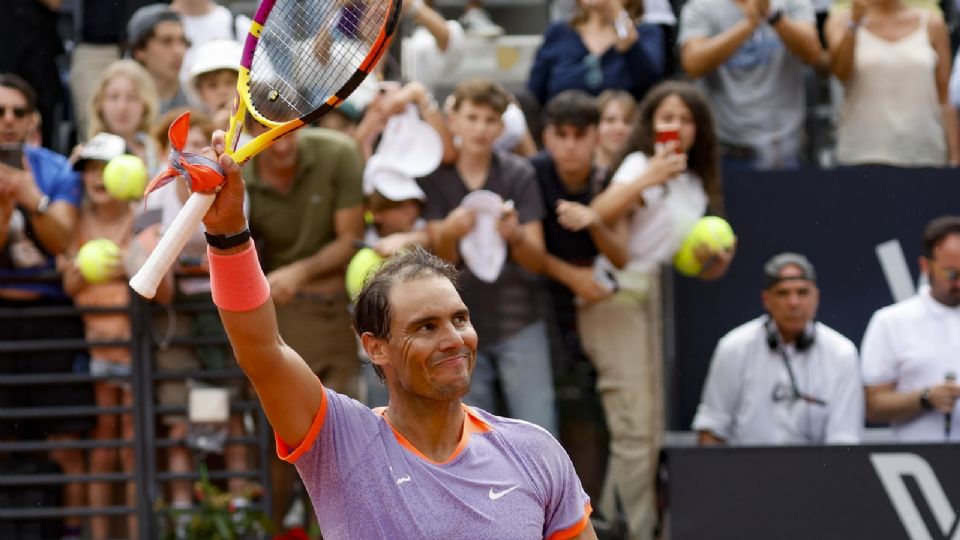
(925, 400)
(227, 241)
(774, 17)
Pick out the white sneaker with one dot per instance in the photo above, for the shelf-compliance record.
(476, 21)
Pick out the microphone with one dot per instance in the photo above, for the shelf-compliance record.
(949, 377)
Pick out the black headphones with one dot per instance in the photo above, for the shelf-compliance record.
(804, 340)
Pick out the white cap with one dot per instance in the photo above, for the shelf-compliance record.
(213, 55)
(102, 147)
(514, 128)
(410, 145)
(389, 182)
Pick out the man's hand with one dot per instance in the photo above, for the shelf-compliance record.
(459, 222)
(585, 286)
(755, 11)
(226, 214)
(19, 185)
(575, 217)
(284, 283)
(944, 396)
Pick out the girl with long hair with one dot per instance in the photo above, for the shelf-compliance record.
(660, 190)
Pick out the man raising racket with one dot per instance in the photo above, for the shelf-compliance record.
(425, 467)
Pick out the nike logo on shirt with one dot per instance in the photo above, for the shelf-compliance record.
(494, 495)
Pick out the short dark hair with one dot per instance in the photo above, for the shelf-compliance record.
(372, 311)
(142, 26)
(573, 108)
(936, 231)
(15, 82)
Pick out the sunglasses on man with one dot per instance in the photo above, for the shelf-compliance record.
(18, 112)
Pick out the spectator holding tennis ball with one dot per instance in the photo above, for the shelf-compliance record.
(103, 284)
(661, 190)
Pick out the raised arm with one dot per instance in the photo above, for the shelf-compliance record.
(800, 38)
(702, 54)
(619, 198)
(841, 31)
(288, 390)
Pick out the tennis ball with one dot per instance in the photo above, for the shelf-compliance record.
(710, 231)
(97, 260)
(125, 177)
(361, 266)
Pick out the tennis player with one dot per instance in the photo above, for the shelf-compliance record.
(424, 467)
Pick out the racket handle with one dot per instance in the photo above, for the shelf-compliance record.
(146, 280)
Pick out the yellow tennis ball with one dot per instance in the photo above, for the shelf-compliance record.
(710, 231)
(97, 260)
(125, 177)
(361, 266)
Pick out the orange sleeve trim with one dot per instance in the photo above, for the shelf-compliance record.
(576, 528)
(291, 455)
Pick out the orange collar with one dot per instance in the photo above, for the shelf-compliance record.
(471, 424)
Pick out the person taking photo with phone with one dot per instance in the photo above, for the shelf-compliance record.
(39, 205)
(661, 190)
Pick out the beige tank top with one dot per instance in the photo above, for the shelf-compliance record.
(891, 112)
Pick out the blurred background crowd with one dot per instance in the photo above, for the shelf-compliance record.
(566, 154)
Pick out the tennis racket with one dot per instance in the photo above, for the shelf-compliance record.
(301, 59)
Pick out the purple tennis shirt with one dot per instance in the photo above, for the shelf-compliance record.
(506, 479)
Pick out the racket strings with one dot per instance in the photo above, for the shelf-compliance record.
(308, 50)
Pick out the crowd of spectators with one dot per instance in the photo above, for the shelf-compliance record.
(560, 246)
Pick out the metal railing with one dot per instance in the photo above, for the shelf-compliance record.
(149, 477)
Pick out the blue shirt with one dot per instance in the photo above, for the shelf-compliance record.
(564, 63)
(56, 179)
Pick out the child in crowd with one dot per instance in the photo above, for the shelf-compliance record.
(507, 311)
(125, 103)
(394, 203)
(213, 77)
(192, 284)
(103, 216)
(618, 118)
(661, 190)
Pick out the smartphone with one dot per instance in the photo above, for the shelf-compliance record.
(12, 154)
(664, 136)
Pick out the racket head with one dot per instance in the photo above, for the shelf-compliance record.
(303, 58)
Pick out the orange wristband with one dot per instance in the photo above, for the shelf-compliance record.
(237, 282)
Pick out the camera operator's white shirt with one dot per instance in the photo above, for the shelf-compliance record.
(739, 405)
(914, 343)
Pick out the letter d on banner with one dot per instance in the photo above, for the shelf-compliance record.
(892, 469)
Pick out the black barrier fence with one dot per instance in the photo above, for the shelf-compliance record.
(878, 492)
(31, 505)
(834, 217)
